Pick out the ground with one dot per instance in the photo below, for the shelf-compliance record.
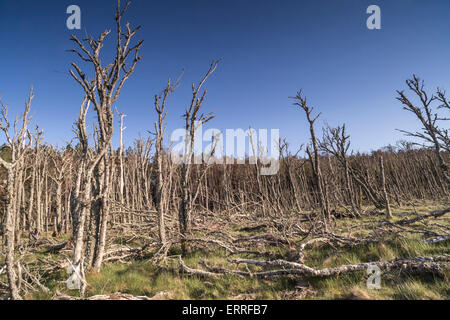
(142, 278)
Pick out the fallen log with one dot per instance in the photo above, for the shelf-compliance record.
(301, 255)
(124, 253)
(196, 272)
(435, 214)
(417, 265)
(56, 248)
(115, 296)
(438, 239)
(409, 265)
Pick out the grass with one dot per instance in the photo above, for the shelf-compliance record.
(141, 277)
(393, 285)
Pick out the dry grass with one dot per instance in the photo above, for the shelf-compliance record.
(141, 277)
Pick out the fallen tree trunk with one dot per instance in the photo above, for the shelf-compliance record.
(417, 265)
(115, 296)
(438, 239)
(435, 214)
(56, 248)
(409, 265)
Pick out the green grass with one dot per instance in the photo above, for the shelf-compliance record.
(394, 286)
(141, 277)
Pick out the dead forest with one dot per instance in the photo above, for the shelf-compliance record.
(90, 204)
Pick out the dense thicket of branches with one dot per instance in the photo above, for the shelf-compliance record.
(50, 176)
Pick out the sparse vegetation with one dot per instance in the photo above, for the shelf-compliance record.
(141, 277)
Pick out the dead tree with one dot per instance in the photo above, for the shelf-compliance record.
(161, 180)
(289, 160)
(431, 134)
(121, 164)
(60, 165)
(19, 143)
(40, 168)
(313, 155)
(192, 122)
(383, 188)
(336, 142)
(33, 167)
(81, 195)
(102, 91)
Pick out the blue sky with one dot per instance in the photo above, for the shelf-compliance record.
(270, 49)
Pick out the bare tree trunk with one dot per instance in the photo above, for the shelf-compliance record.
(433, 132)
(38, 200)
(84, 208)
(10, 238)
(383, 186)
(121, 172)
(161, 181)
(314, 156)
(104, 216)
(103, 92)
(18, 147)
(30, 208)
(193, 121)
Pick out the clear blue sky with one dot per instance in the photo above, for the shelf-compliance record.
(270, 49)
